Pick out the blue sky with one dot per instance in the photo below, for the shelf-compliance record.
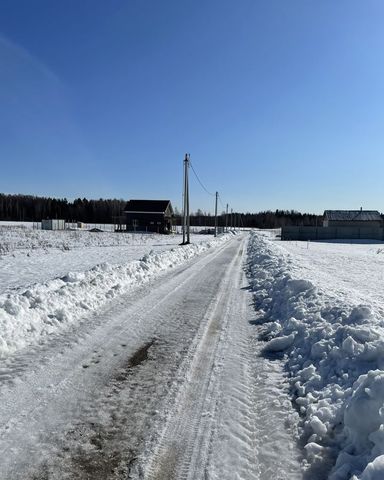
(280, 103)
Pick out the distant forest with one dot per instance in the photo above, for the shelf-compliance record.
(266, 219)
(30, 208)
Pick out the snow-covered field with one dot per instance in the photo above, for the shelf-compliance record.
(49, 280)
(321, 307)
(30, 256)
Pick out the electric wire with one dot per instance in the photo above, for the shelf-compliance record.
(222, 204)
(204, 188)
(198, 179)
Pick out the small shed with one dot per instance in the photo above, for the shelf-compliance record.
(52, 224)
(352, 218)
(149, 216)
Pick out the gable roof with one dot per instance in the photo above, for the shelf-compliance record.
(353, 215)
(148, 206)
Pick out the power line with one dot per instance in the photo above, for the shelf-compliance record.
(222, 204)
(205, 189)
(198, 179)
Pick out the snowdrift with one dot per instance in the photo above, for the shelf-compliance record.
(334, 357)
(27, 316)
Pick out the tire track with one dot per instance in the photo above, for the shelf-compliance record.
(183, 451)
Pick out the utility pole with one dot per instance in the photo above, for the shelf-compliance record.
(217, 196)
(226, 219)
(186, 221)
(231, 223)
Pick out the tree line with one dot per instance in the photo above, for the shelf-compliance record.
(265, 219)
(29, 208)
(281, 218)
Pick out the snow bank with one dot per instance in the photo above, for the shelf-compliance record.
(27, 316)
(334, 354)
(20, 268)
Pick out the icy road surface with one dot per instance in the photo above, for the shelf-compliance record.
(166, 383)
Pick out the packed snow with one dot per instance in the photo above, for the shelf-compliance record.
(75, 281)
(321, 309)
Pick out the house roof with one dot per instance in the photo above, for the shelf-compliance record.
(353, 215)
(148, 206)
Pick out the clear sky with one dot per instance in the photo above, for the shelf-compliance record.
(280, 103)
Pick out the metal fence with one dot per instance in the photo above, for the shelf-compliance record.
(332, 233)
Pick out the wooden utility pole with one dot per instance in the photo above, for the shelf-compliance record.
(226, 219)
(217, 196)
(231, 226)
(186, 221)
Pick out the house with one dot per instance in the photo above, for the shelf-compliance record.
(352, 218)
(149, 216)
(52, 224)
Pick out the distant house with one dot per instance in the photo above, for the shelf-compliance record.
(52, 224)
(352, 218)
(149, 216)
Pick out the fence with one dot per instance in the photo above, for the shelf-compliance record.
(332, 233)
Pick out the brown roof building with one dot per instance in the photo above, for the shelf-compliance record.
(149, 216)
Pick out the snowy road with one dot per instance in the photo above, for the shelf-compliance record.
(166, 383)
